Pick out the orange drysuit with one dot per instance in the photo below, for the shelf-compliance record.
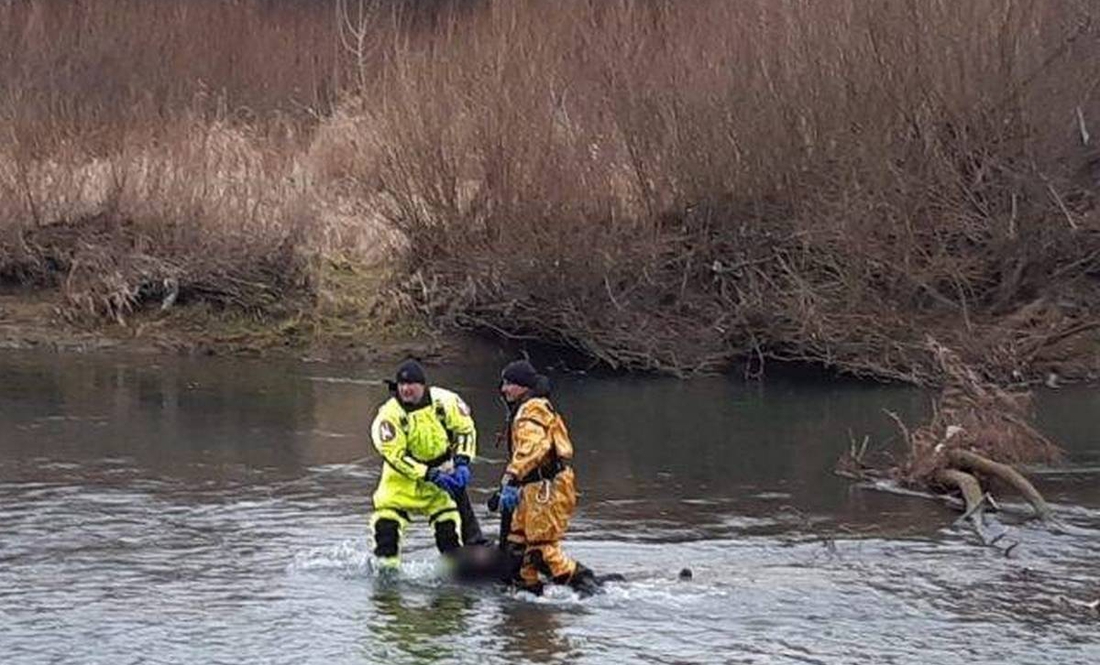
(541, 457)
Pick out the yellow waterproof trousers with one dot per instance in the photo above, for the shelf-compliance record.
(400, 498)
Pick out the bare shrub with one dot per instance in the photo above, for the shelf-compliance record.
(973, 415)
(978, 433)
(678, 185)
(664, 185)
(84, 69)
(149, 150)
(202, 214)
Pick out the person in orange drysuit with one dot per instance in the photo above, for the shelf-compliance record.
(538, 485)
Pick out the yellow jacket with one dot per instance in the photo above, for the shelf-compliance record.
(411, 442)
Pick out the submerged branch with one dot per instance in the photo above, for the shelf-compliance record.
(975, 462)
(968, 486)
(975, 504)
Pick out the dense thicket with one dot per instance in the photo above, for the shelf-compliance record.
(669, 185)
(676, 185)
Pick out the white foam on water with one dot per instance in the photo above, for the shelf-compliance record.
(351, 558)
(346, 556)
(661, 594)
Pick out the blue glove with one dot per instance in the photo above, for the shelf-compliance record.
(449, 483)
(437, 477)
(452, 483)
(460, 477)
(509, 497)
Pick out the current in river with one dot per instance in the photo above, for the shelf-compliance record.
(200, 511)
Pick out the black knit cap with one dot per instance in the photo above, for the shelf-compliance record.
(521, 373)
(411, 371)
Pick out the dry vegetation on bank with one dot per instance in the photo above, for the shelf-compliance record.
(663, 185)
(150, 151)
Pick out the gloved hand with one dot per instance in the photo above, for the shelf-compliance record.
(509, 497)
(437, 477)
(451, 483)
(461, 476)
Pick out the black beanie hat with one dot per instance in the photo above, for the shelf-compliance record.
(521, 373)
(411, 371)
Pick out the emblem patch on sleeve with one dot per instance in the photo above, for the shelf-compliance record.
(386, 431)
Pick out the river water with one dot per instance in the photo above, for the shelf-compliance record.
(205, 511)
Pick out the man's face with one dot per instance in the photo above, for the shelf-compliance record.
(512, 391)
(410, 393)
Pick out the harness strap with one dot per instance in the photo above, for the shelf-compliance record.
(547, 471)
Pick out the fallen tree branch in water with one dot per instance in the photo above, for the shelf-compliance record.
(970, 489)
(975, 505)
(977, 431)
(975, 462)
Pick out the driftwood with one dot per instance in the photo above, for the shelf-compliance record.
(965, 459)
(977, 432)
(973, 497)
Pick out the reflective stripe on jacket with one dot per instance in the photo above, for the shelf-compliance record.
(412, 441)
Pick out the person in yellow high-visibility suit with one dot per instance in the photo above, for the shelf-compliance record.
(538, 485)
(427, 439)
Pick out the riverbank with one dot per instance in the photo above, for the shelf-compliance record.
(662, 187)
(341, 325)
(35, 319)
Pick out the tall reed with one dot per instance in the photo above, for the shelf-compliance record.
(678, 185)
(672, 185)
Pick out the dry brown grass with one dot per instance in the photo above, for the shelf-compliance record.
(149, 151)
(678, 185)
(162, 152)
(93, 68)
(664, 185)
(202, 214)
